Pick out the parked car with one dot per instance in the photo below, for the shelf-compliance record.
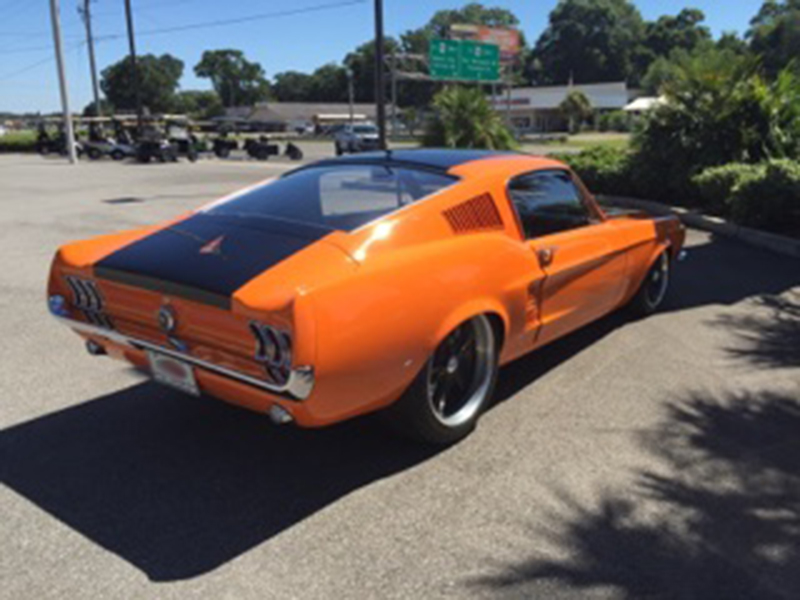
(359, 137)
(397, 282)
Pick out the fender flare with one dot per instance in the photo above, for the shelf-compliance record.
(469, 310)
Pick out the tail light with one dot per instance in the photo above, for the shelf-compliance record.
(274, 350)
(86, 297)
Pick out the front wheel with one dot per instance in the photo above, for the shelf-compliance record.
(654, 288)
(444, 402)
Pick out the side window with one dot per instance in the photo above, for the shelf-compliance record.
(548, 202)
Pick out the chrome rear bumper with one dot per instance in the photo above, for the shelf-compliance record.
(298, 386)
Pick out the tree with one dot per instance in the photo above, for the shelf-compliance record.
(464, 119)
(730, 40)
(293, 86)
(199, 104)
(775, 34)
(361, 62)
(90, 111)
(158, 80)
(577, 108)
(667, 34)
(587, 41)
(237, 81)
(329, 83)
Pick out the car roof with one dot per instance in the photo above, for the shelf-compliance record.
(428, 158)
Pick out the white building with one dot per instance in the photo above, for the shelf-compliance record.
(537, 108)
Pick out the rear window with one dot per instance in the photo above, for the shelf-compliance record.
(341, 197)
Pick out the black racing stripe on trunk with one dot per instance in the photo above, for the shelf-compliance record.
(171, 260)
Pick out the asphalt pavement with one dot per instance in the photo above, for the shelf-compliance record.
(657, 458)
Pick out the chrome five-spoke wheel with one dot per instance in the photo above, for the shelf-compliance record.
(461, 371)
(446, 399)
(654, 288)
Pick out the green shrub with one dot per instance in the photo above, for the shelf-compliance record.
(18, 141)
(720, 110)
(617, 120)
(763, 196)
(604, 170)
(715, 185)
(769, 198)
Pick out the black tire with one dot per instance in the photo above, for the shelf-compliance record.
(94, 153)
(339, 150)
(262, 154)
(117, 155)
(423, 413)
(223, 152)
(654, 288)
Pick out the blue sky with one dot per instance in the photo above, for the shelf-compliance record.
(301, 41)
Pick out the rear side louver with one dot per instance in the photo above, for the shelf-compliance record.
(476, 214)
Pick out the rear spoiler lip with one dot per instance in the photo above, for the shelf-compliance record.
(169, 288)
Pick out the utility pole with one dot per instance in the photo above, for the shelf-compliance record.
(350, 93)
(55, 16)
(380, 91)
(394, 93)
(86, 13)
(136, 82)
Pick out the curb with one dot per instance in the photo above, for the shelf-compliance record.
(760, 239)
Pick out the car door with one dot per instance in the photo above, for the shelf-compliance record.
(584, 268)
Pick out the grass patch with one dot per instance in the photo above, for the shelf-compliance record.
(18, 141)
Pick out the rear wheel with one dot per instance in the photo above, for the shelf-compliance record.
(117, 154)
(446, 399)
(654, 288)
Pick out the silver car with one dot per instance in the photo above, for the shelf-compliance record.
(358, 137)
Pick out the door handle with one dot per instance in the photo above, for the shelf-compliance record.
(546, 256)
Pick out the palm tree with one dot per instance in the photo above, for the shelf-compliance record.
(576, 107)
(463, 118)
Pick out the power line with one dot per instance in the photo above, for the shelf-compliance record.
(38, 63)
(236, 21)
(26, 50)
(202, 25)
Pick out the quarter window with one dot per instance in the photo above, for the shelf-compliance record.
(548, 202)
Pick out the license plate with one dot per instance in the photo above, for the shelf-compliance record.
(173, 373)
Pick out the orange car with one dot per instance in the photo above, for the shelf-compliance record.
(394, 280)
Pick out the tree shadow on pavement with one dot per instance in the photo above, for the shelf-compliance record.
(726, 272)
(769, 336)
(177, 485)
(721, 520)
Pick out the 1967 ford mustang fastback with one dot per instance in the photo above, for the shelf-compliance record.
(396, 281)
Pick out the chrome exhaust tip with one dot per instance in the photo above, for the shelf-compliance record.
(279, 415)
(95, 349)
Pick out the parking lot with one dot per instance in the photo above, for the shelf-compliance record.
(654, 458)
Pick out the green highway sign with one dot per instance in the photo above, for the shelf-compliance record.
(464, 60)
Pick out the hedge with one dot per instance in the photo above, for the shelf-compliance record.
(764, 195)
(18, 141)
